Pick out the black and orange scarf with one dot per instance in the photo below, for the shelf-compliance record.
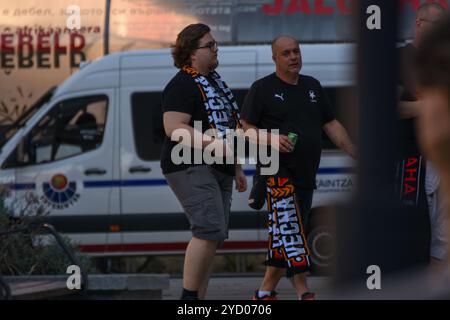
(220, 104)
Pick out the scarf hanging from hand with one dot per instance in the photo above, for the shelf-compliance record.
(220, 104)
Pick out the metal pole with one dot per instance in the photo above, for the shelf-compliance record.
(6, 292)
(72, 257)
(106, 33)
(369, 233)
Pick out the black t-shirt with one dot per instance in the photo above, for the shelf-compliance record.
(302, 109)
(181, 94)
(406, 127)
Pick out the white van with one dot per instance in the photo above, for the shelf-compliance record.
(90, 150)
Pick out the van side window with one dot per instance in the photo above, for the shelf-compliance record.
(148, 127)
(70, 128)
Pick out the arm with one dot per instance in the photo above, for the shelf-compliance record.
(261, 137)
(174, 120)
(338, 135)
(434, 136)
(240, 179)
(406, 109)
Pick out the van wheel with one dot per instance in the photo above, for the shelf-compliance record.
(321, 241)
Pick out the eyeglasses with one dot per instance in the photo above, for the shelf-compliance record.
(211, 45)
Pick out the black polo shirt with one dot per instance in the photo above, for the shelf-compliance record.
(302, 109)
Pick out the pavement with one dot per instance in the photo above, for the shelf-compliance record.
(242, 287)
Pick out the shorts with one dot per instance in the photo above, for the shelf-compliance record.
(205, 195)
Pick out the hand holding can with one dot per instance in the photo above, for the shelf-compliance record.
(293, 137)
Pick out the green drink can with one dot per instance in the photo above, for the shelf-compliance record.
(293, 137)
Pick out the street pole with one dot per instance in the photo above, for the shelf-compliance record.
(369, 231)
(106, 33)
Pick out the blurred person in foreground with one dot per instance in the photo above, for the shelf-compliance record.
(417, 179)
(432, 68)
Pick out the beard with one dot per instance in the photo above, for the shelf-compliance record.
(213, 65)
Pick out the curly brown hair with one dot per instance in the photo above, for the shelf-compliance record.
(187, 41)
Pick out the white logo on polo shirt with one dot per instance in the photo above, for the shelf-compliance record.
(312, 96)
(280, 96)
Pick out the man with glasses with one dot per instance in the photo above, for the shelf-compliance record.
(197, 94)
(417, 181)
(212, 45)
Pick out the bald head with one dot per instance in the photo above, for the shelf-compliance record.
(427, 15)
(282, 38)
(429, 8)
(287, 58)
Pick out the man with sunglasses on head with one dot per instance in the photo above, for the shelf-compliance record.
(197, 94)
(417, 180)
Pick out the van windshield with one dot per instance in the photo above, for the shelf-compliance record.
(7, 133)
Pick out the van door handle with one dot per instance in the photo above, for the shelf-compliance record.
(95, 171)
(139, 169)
